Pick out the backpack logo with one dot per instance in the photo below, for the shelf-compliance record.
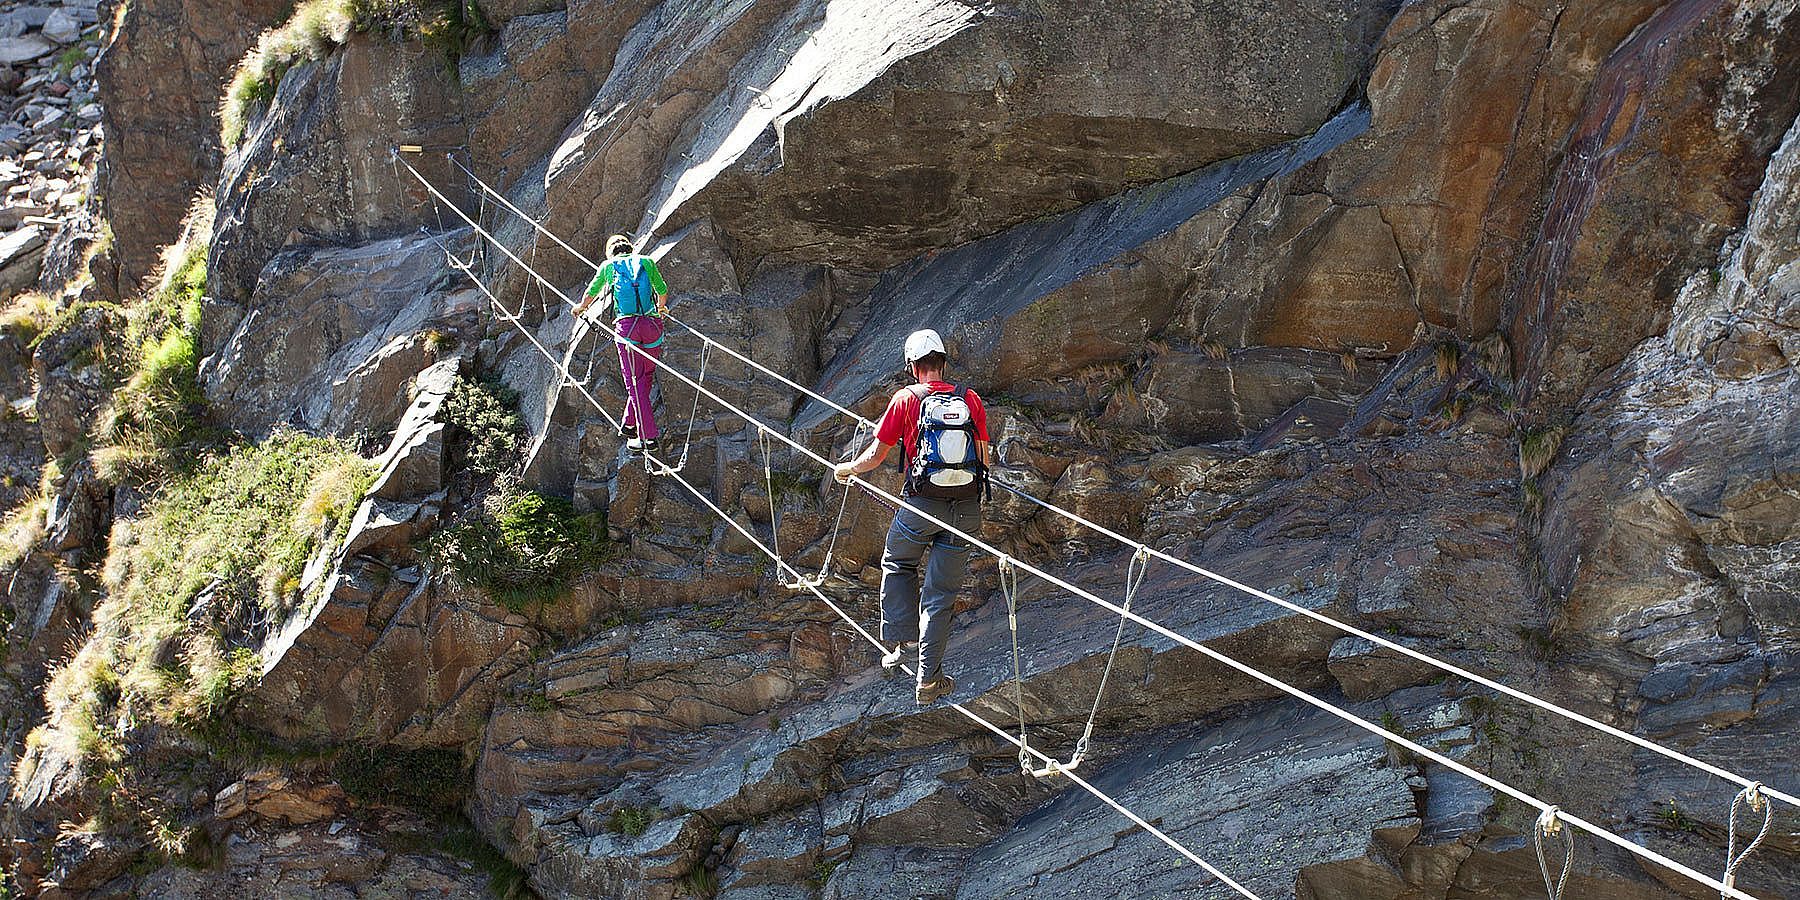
(945, 466)
(633, 294)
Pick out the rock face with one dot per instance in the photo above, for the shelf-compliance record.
(1473, 325)
(162, 77)
(332, 336)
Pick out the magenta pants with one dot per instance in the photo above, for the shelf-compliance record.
(639, 372)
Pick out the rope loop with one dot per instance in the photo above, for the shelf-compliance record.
(1135, 572)
(1549, 824)
(1757, 800)
(1009, 588)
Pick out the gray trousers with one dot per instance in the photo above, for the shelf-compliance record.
(907, 613)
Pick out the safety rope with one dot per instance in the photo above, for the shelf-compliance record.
(1135, 570)
(837, 525)
(694, 413)
(1009, 588)
(1378, 640)
(1754, 798)
(1550, 823)
(1244, 669)
(762, 440)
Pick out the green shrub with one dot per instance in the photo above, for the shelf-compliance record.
(488, 432)
(522, 547)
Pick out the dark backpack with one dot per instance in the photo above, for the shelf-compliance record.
(946, 464)
(633, 294)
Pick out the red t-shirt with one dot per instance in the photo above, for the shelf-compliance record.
(902, 417)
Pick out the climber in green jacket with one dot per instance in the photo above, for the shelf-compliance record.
(640, 301)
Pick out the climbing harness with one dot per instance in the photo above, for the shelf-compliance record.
(1550, 823)
(1554, 822)
(1009, 588)
(1754, 798)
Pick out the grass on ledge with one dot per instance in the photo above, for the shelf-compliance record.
(214, 559)
(318, 27)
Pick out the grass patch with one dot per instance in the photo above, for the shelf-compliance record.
(488, 432)
(521, 547)
(22, 529)
(67, 60)
(792, 490)
(699, 882)
(505, 878)
(157, 409)
(633, 821)
(1537, 448)
(1448, 358)
(422, 779)
(318, 27)
(182, 581)
(27, 316)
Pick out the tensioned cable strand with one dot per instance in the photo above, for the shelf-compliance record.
(1270, 680)
(1386, 643)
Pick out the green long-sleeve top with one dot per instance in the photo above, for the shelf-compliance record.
(609, 272)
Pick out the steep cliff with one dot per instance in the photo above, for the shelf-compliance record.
(1471, 324)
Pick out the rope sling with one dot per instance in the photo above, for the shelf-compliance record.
(1753, 798)
(1549, 823)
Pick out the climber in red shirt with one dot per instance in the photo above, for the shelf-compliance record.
(942, 431)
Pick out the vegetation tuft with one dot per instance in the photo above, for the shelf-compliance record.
(157, 411)
(1537, 447)
(422, 779)
(215, 552)
(318, 27)
(27, 315)
(522, 547)
(488, 433)
(632, 821)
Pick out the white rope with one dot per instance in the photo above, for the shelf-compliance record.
(1009, 588)
(1548, 824)
(1270, 680)
(837, 526)
(1135, 572)
(1376, 639)
(694, 413)
(1752, 797)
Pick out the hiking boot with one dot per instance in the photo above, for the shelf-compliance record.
(932, 690)
(628, 432)
(641, 445)
(890, 661)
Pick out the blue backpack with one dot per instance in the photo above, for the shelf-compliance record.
(633, 294)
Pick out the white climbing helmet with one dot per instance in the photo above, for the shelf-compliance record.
(922, 342)
(619, 245)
